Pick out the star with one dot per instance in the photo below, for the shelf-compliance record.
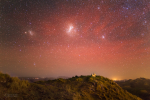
(103, 36)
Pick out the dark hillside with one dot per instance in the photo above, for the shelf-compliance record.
(75, 88)
(139, 87)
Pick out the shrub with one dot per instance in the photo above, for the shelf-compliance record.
(79, 79)
(24, 84)
(76, 96)
(127, 87)
(4, 78)
(68, 88)
(143, 91)
(61, 80)
(91, 79)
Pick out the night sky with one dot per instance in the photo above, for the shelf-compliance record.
(51, 38)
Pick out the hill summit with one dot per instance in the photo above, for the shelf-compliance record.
(75, 88)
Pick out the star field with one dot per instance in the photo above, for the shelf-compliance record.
(54, 38)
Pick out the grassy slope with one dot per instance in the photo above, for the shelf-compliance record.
(76, 88)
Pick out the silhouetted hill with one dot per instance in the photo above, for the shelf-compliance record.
(75, 88)
(35, 79)
(139, 87)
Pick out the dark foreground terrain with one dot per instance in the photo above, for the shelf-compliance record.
(75, 88)
(139, 87)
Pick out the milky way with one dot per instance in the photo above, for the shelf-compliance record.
(54, 38)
